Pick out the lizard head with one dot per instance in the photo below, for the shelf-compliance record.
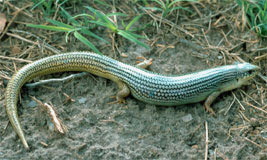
(238, 75)
(246, 71)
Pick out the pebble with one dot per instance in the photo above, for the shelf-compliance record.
(82, 100)
(220, 57)
(187, 118)
(263, 133)
(51, 126)
(32, 104)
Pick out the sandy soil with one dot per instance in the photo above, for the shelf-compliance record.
(134, 130)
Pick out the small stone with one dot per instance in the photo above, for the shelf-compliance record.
(254, 122)
(263, 133)
(32, 104)
(195, 146)
(82, 100)
(124, 55)
(187, 118)
(51, 126)
(220, 57)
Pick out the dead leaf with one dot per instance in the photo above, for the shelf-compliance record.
(2, 22)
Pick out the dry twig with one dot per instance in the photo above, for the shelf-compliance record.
(56, 121)
(242, 107)
(257, 108)
(42, 82)
(256, 144)
(207, 141)
(15, 59)
(13, 18)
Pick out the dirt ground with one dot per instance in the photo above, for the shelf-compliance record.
(135, 130)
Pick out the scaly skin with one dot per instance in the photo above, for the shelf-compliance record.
(144, 85)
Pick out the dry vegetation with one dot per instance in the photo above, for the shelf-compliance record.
(208, 33)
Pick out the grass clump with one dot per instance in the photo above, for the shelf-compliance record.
(256, 14)
(82, 24)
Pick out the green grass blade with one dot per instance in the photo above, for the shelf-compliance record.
(145, 2)
(265, 9)
(86, 42)
(36, 5)
(83, 15)
(128, 36)
(67, 36)
(104, 18)
(49, 7)
(51, 28)
(163, 6)
(89, 33)
(102, 3)
(133, 21)
(59, 24)
(123, 24)
(69, 17)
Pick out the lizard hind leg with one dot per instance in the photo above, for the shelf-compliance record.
(123, 92)
(210, 100)
(145, 63)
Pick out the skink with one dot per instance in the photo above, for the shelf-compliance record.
(144, 85)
